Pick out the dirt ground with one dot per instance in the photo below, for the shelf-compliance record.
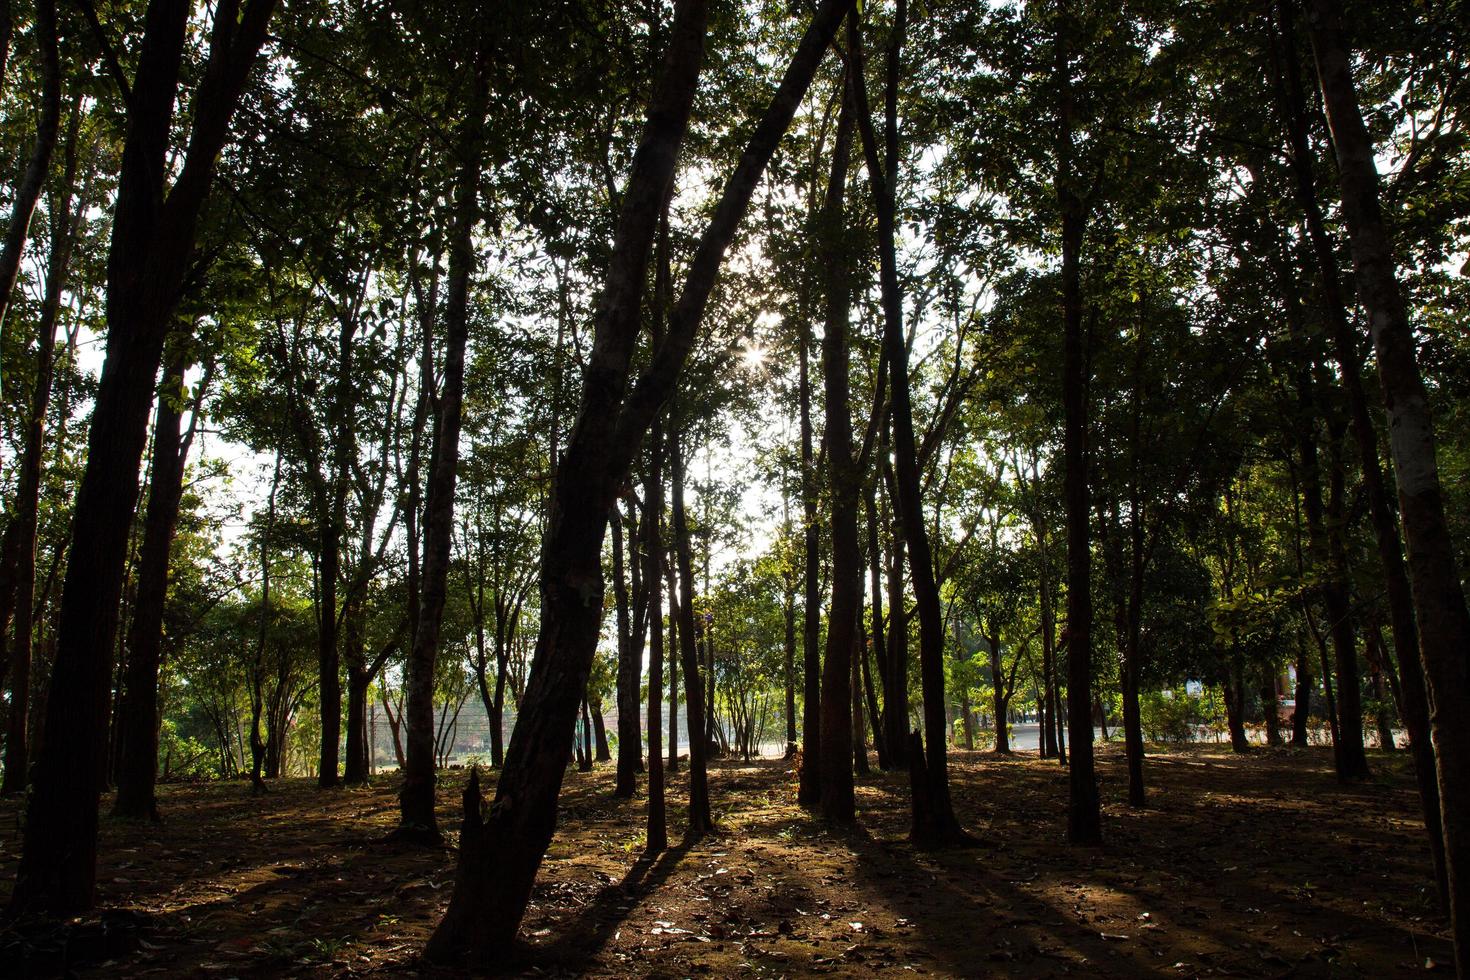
(1261, 866)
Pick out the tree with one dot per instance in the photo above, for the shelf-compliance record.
(485, 911)
(152, 237)
(1444, 622)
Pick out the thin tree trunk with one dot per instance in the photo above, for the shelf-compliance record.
(1352, 759)
(599, 732)
(656, 837)
(20, 534)
(138, 712)
(998, 701)
(675, 601)
(896, 678)
(881, 734)
(628, 674)
(257, 744)
(809, 777)
(700, 820)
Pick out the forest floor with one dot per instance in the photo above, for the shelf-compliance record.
(1256, 866)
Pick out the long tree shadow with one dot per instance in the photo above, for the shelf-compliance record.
(583, 936)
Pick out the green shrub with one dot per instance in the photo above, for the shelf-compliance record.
(1170, 720)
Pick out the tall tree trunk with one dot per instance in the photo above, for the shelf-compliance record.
(944, 828)
(1439, 600)
(584, 741)
(1292, 102)
(896, 678)
(1235, 703)
(843, 484)
(152, 239)
(416, 819)
(700, 821)
(1084, 815)
(675, 601)
(1302, 711)
(998, 700)
(355, 759)
(788, 665)
(499, 858)
(1132, 667)
(809, 788)
(1052, 725)
(257, 673)
(599, 732)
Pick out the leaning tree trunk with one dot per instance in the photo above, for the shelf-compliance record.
(499, 858)
(1439, 600)
(152, 241)
(1292, 102)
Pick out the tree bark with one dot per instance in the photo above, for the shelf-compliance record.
(1301, 712)
(896, 677)
(809, 787)
(881, 734)
(1352, 759)
(257, 673)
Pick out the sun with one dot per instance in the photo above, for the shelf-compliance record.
(753, 357)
